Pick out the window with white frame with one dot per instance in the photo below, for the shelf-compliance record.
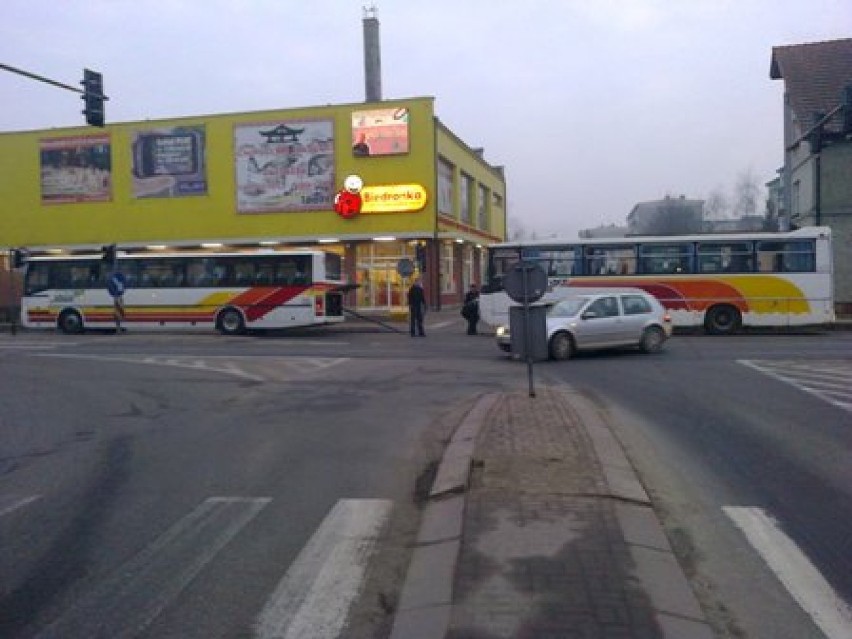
(465, 194)
(482, 207)
(446, 172)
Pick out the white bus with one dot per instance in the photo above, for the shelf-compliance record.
(231, 292)
(721, 282)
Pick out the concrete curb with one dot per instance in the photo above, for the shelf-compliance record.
(426, 600)
(676, 608)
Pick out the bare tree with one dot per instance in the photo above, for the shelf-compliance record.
(746, 193)
(717, 206)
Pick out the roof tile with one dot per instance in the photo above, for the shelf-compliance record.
(815, 75)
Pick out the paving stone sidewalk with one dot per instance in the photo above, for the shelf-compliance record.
(551, 547)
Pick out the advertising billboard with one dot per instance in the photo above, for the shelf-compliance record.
(75, 169)
(169, 162)
(284, 166)
(380, 132)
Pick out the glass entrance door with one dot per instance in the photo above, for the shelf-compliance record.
(381, 287)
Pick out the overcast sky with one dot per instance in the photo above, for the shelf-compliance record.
(591, 105)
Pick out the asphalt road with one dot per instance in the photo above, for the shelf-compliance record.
(162, 485)
(120, 455)
(749, 423)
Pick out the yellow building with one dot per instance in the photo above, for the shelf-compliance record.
(265, 180)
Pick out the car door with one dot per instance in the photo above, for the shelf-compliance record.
(636, 313)
(600, 325)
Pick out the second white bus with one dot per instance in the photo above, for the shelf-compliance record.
(720, 282)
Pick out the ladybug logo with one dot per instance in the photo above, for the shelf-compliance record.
(347, 202)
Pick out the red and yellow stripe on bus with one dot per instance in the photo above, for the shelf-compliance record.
(255, 303)
(759, 294)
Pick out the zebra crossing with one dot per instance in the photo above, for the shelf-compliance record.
(313, 598)
(828, 379)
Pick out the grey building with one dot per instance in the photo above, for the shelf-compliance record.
(815, 180)
(669, 216)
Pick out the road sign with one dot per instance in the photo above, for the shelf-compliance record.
(525, 283)
(405, 267)
(116, 284)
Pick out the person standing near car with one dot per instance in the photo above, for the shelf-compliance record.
(470, 309)
(416, 306)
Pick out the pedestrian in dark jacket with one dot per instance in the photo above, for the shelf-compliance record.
(470, 309)
(416, 306)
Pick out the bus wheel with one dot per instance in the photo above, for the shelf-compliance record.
(561, 346)
(70, 322)
(722, 320)
(231, 322)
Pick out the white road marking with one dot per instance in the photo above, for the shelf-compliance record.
(9, 503)
(440, 325)
(33, 346)
(123, 605)
(808, 587)
(802, 375)
(314, 596)
(227, 365)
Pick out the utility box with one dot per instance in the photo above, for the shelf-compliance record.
(529, 333)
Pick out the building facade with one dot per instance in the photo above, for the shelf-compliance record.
(266, 180)
(815, 180)
(669, 216)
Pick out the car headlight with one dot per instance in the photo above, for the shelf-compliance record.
(502, 330)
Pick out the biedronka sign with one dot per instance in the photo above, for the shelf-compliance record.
(393, 198)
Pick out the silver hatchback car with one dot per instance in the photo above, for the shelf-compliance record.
(602, 319)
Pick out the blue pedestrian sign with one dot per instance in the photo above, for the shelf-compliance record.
(116, 284)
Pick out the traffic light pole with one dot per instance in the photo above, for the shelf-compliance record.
(90, 96)
(40, 78)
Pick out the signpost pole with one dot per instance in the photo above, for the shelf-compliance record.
(525, 283)
(527, 344)
(116, 286)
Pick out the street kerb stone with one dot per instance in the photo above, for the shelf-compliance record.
(454, 470)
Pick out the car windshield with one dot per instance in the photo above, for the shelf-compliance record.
(567, 308)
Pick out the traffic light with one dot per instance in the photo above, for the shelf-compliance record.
(109, 254)
(19, 257)
(93, 95)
